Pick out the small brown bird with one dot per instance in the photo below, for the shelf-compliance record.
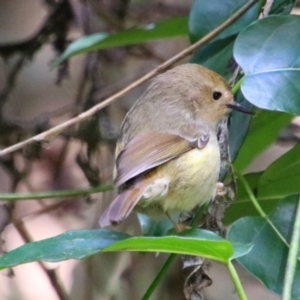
(167, 155)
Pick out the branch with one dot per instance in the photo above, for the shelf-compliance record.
(55, 194)
(83, 116)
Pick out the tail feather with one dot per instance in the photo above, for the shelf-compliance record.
(121, 207)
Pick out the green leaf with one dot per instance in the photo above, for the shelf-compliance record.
(274, 90)
(242, 204)
(264, 130)
(240, 250)
(75, 244)
(282, 7)
(280, 179)
(256, 47)
(191, 242)
(207, 15)
(166, 29)
(243, 208)
(267, 258)
(82, 243)
(272, 73)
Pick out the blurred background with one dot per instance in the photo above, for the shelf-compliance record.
(34, 98)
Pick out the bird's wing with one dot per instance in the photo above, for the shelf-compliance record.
(151, 149)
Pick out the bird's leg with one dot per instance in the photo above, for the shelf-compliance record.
(220, 189)
(178, 227)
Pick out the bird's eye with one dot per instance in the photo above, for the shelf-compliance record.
(217, 95)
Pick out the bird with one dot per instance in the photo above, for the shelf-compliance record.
(167, 157)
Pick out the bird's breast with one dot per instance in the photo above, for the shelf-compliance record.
(193, 177)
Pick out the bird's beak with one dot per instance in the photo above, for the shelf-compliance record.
(238, 107)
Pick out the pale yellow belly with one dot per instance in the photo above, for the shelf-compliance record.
(193, 177)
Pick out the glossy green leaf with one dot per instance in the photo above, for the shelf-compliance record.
(267, 258)
(274, 90)
(207, 15)
(191, 242)
(272, 72)
(240, 250)
(280, 179)
(242, 204)
(256, 48)
(75, 244)
(243, 208)
(82, 243)
(166, 29)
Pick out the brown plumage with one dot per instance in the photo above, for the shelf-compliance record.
(167, 155)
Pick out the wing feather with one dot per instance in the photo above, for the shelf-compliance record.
(151, 149)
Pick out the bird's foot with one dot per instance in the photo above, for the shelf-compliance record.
(220, 189)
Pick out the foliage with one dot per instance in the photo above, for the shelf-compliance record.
(83, 243)
(263, 259)
(267, 50)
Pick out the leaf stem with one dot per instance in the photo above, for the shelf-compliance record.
(258, 207)
(236, 281)
(292, 257)
(159, 276)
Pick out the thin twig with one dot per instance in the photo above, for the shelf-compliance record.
(258, 207)
(266, 9)
(83, 116)
(55, 194)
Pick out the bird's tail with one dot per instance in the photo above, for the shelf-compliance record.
(121, 207)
